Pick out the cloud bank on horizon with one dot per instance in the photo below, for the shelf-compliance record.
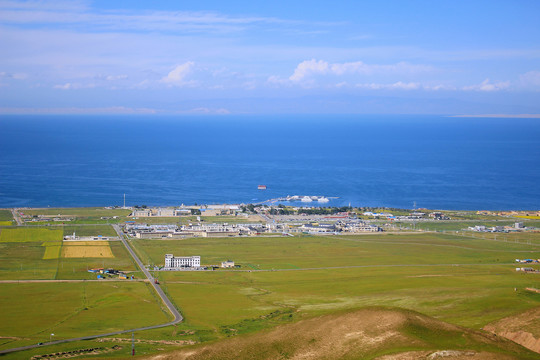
(215, 57)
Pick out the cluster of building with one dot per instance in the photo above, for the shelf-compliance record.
(75, 237)
(437, 215)
(527, 261)
(102, 273)
(416, 215)
(45, 218)
(207, 210)
(143, 231)
(350, 226)
(508, 213)
(378, 215)
(518, 226)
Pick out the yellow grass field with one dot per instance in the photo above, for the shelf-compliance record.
(27, 234)
(52, 252)
(6, 223)
(90, 251)
(86, 243)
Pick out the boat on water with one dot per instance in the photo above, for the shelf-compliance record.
(261, 187)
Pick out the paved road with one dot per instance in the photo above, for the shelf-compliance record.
(368, 266)
(177, 316)
(68, 281)
(16, 216)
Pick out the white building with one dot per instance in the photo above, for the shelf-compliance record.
(172, 261)
(227, 264)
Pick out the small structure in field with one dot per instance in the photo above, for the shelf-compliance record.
(227, 264)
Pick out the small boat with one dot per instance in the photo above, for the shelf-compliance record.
(261, 187)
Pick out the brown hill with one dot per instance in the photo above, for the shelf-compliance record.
(523, 329)
(364, 334)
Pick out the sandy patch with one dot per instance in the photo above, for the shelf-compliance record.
(87, 252)
(326, 337)
(352, 335)
(444, 355)
(523, 329)
(87, 243)
(143, 341)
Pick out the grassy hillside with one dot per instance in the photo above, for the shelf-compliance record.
(362, 334)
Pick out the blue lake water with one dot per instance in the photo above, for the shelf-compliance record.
(393, 161)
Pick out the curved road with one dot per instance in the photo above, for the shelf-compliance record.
(177, 316)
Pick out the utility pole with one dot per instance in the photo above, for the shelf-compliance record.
(132, 344)
(414, 216)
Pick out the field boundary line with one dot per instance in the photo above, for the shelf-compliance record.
(167, 302)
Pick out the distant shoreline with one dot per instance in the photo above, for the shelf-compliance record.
(520, 116)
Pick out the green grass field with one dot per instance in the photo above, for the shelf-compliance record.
(415, 271)
(89, 230)
(5, 215)
(78, 212)
(32, 311)
(464, 281)
(29, 234)
(76, 268)
(315, 251)
(528, 238)
(80, 215)
(463, 225)
(35, 253)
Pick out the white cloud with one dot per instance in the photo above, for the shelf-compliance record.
(311, 67)
(530, 80)
(395, 86)
(73, 5)
(487, 86)
(76, 110)
(206, 111)
(405, 86)
(178, 75)
(308, 67)
(68, 13)
(73, 86)
(276, 80)
(65, 86)
(439, 87)
(116, 77)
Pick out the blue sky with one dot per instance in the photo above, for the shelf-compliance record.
(248, 57)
